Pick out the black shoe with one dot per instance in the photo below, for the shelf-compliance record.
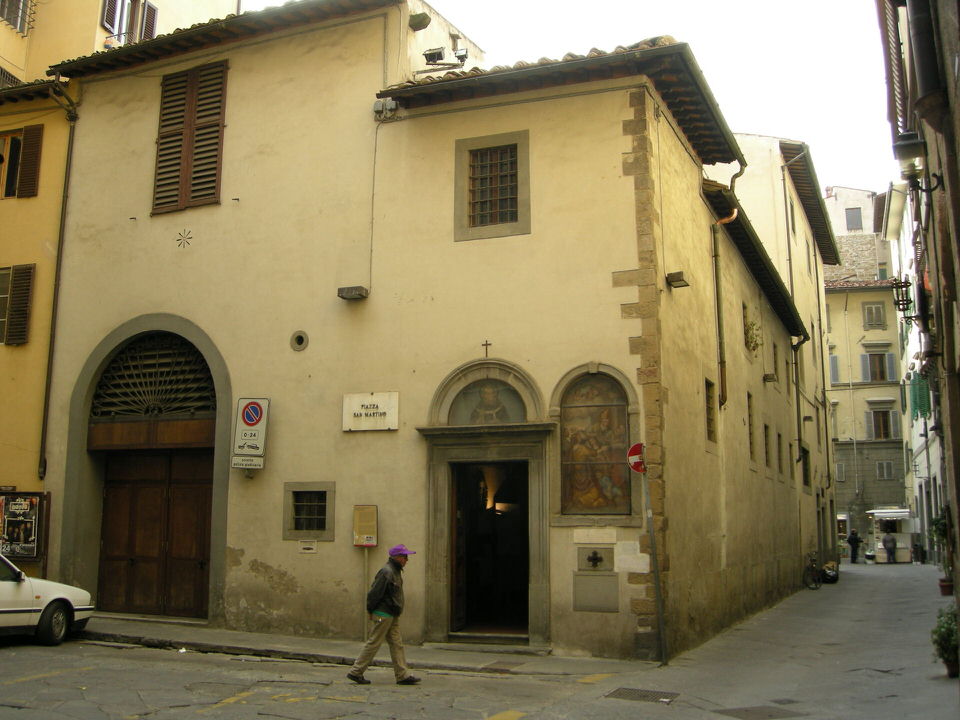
(408, 680)
(358, 679)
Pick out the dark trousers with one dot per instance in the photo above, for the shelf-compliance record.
(891, 555)
(853, 553)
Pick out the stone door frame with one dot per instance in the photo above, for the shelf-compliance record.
(525, 442)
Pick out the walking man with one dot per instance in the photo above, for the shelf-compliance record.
(889, 543)
(854, 540)
(385, 604)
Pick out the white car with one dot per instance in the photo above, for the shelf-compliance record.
(43, 608)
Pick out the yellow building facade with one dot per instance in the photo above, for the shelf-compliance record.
(335, 283)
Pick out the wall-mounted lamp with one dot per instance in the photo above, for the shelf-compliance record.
(676, 280)
(769, 377)
(808, 418)
(353, 292)
(433, 55)
(901, 293)
(434, 58)
(910, 150)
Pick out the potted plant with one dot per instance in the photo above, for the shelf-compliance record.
(945, 639)
(940, 533)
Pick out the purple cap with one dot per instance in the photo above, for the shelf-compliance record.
(400, 549)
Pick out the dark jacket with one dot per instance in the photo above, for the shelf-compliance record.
(386, 593)
(854, 540)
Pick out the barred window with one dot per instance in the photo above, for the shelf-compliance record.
(310, 510)
(493, 185)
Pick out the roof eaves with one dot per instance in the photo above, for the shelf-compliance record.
(755, 256)
(232, 28)
(27, 91)
(671, 67)
(800, 166)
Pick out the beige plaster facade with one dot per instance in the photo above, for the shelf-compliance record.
(49, 32)
(319, 193)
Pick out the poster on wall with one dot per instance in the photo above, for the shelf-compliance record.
(20, 524)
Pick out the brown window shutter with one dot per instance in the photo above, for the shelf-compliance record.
(148, 26)
(110, 11)
(18, 311)
(29, 179)
(170, 156)
(190, 141)
(207, 144)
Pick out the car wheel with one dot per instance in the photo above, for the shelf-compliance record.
(52, 628)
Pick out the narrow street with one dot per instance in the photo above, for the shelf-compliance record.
(857, 649)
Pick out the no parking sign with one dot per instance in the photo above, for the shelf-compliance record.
(250, 436)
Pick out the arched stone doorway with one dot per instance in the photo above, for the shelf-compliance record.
(153, 418)
(156, 448)
(488, 507)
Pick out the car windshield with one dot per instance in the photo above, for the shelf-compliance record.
(7, 571)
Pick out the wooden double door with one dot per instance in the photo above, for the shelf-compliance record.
(155, 537)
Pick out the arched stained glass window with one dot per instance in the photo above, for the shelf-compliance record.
(595, 477)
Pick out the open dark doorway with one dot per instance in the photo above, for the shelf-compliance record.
(490, 553)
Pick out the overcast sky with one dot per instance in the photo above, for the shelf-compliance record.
(810, 71)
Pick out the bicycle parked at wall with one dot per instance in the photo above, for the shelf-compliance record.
(812, 577)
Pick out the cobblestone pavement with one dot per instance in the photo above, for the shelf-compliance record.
(857, 649)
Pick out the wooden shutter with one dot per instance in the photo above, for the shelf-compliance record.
(173, 113)
(208, 134)
(865, 368)
(894, 425)
(190, 140)
(834, 369)
(28, 182)
(148, 23)
(868, 424)
(891, 367)
(18, 309)
(111, 12)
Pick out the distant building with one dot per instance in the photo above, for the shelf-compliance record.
(864, 344)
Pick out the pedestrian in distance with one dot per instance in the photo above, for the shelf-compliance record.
(889, 543)
(854, 540)
(385, 605)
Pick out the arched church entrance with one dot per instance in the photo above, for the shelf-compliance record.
(153, 422)
(487, 549)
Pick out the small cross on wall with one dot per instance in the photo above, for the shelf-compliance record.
(486, 348)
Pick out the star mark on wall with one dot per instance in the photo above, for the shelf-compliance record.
(184, 238)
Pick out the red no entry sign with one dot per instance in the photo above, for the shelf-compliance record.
(635, 458)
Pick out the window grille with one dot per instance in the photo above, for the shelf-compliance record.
(310, 510)
(494, 187)
(155, 374)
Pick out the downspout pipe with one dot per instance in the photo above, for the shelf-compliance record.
(718, 304)
(70, 108)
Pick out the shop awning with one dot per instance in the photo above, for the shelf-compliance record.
(889, 513)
